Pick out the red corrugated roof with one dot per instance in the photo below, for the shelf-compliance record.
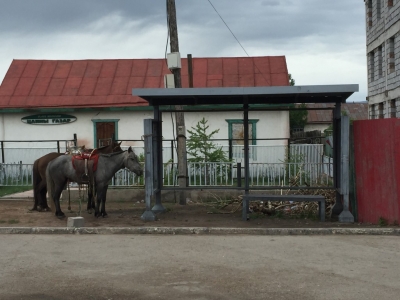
(355, 111)
(109, 83)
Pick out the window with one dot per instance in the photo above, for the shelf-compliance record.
(378, 9)
(369, 12)
(371, 66)
(393, 108)
(380, 110)
(391, 65)
(236, 137)
(390, 3)
(372, 111)
(380, 61)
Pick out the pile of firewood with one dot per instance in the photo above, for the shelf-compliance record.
(295, 208)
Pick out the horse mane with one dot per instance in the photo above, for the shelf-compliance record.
(112, 154)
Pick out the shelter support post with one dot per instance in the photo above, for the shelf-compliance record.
(157, 160)
(246, 151)
(338, 206)
(345, 216)
(148, 215)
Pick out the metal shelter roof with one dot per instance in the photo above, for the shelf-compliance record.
(253, 95)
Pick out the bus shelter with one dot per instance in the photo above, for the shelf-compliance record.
(245, 99)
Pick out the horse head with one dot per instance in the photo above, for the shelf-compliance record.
(131, 162)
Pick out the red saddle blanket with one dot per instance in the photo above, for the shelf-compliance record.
(93, 158)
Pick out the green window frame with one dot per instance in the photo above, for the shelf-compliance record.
(95, 121)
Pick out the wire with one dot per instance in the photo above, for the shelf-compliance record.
(236, 38)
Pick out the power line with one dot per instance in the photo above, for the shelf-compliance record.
(236, 38)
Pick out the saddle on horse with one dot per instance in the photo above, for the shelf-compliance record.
(85, 164)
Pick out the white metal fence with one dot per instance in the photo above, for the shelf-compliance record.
(305, 166)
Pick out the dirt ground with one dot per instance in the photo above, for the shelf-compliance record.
(16, 213)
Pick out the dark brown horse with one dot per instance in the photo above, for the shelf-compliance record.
(39, 177)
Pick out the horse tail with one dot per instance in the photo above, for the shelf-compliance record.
(50, 186)
(36, 178)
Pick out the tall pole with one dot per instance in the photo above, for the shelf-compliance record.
(179, 116)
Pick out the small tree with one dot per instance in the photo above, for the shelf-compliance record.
(200, 146)
(203, 150)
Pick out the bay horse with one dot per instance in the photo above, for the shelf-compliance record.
(61, 169)
(39, 176)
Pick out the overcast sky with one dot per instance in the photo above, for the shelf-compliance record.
(323, 41)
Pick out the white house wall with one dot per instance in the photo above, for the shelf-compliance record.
(273, 124)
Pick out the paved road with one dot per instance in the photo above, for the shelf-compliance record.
(199, 267)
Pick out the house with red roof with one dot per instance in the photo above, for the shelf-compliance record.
(54, 99)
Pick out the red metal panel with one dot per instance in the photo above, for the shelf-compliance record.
(154, 68)
(153, 82)
(47, 69)
(72, 86)
(32, 68)
(377, 165)
(24, 86)
(124, 68)
(139, 67)
(135, 82)
(108, 69)
(230, 66)
(278, 65)
(78, 69)
(87, 86)
(199, 67)
(17, 68)
(8, 86)
(263, 79)
(262, 65)
(103, 87)
(55, 87)
(214, 66)
(62, 69)
(93, 68)
(40, 86)
(214, 83)
(246, 67)
(246, 80)
(199, 80)
(231, 80)
(119, 86)
(281, 79)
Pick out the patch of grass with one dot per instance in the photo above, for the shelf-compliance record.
(279, 214)
(254, 216)
(8, 190)
(383, 222)
(2, 222)
(395, 223)
(13, 221)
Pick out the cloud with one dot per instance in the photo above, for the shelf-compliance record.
(323, 41)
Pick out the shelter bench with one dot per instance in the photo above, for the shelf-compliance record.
(295, 198)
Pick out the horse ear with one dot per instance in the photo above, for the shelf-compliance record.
(119, 144)
(130, 149)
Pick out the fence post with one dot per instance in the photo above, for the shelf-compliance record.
(239, 174)
(20, 171)
(58, 146)
(75, 140)
(172, 151)
(2, 152)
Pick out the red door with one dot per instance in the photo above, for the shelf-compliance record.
(105, 133)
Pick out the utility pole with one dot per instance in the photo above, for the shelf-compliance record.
(179, 116)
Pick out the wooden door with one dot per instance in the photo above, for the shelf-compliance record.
(105, 133)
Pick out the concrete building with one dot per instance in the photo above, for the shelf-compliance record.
(383, 57)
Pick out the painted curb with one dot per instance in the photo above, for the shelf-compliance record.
(201, 231)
